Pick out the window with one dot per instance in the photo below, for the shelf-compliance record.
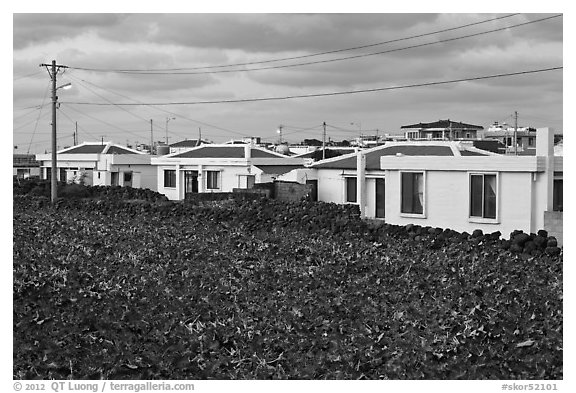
(169, 178)
(212, 180)
(531, 141)
(351, 189)
(246, 181)
(557, 197)
(412, 192)
(483, 195)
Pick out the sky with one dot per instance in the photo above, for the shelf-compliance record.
(231, 75)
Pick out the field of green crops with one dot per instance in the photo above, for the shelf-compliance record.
(231, 289)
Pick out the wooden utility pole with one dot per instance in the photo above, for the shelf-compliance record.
(53, 69)
(515, 133)
(151, 136)
(324, 140)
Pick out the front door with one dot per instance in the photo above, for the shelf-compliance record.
(380, 198)
(190, 183)
(314, 192)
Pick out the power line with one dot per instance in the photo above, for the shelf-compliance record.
(338, 59)
(26, 76)
(309, 55)
(179, 115)
(334, 93)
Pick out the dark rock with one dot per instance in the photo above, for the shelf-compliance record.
(495, 235)
(516, 248)
(553, 251)
(477, 233)
(540, 241)
(529, 247)
(521, 239)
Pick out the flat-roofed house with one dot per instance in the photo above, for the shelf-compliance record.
(219, 168)
(101, 163)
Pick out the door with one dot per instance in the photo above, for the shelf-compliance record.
(380, 198)
(314, 192)
(190, 183)
(127, 179)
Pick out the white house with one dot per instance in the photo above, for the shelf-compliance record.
(467, 192)
(446, 184)
(219, 168)
(97, 163)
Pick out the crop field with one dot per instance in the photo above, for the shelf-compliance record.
(233, 289)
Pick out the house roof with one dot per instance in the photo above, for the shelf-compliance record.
(455, 125)
(229, 151)
(84, 149)
(373, 155)
(186, 143)
(311, 154)
(98, 148)
(278, 169)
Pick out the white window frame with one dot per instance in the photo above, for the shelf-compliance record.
(424, 210)
(345, 189)
(218, 179)
(483, 220)
(164, 178)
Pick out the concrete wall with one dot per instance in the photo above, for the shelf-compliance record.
(291, 191)
(553, 223)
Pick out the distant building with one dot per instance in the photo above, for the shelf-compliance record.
(443, 130)
(25, 166)
(525, 138)
(187, 144)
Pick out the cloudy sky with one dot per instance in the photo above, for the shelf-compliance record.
(234, 75)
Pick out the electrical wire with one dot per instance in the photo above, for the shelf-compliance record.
(334, 93)
(338, 59)
(178, 115)
(38, 119)
(309, 55)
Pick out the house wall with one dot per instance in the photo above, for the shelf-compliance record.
(229, 178)
(447, 202)
(331, 185)
(143, 176)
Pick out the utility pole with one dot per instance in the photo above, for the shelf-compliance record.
(199, 137)
(76, 135)
(151, 136)
(515, 133)
(53, 71)
(167, 120)
(324, 140)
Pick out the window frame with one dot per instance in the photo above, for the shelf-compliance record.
(352, 199)
(482, 219)
(168, 180)
(412, 214)
(218, 176)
